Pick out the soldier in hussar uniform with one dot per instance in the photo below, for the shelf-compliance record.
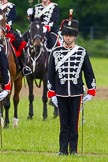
(65, 84)
(4, 70)
(48, 12)
(10, 11)
(4, 66)
(18, 44)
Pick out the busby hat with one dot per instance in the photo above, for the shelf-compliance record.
(69, 26)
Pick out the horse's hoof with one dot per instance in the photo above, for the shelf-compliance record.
(44, 118)
(15, 122)
(29, 117)
(6, 125)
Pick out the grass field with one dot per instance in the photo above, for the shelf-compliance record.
(100, 66)
(37, 141)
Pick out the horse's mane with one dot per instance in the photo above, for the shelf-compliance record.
(35, 21)
(3, 18)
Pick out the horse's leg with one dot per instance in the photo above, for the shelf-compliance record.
(44, 99)
(6, 107)
(31, 96)
(17, 88)
(1, 115)
(1, 108)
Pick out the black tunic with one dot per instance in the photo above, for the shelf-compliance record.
(50, 17)
(66, 80)
(10, 12)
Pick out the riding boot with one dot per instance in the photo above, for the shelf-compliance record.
(26, 70)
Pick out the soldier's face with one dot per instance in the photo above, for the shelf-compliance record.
(69, 40)
(3, 1)
(44, 1)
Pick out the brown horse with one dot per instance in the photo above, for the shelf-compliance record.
(15, 74)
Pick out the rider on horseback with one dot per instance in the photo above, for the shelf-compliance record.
(4, 69)
(48, 12)
(17, 42)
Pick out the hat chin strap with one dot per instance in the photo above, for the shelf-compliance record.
(69, 45)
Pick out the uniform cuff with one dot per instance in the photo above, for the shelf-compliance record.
(48, 28)
(8, 27)
(51, 94)
(91, 92)
(7, 87)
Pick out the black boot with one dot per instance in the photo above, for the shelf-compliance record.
(26, 70)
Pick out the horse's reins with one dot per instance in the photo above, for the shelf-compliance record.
(37, 36)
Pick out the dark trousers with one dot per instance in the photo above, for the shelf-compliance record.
(17, 41)
(69, 114)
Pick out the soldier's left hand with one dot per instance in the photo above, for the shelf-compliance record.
(88, 97)
(54, 101)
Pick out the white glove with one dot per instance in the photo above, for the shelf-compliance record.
(3, 94)
(44, 29)
(30, 11)
(87, 98)
(54, 101)
(10, 23)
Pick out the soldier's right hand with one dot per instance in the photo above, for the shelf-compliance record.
(30, 11)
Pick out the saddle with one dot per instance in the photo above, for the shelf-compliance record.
(17, 43)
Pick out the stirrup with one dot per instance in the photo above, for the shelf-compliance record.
(26, 70)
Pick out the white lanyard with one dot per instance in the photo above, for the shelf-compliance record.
(67, 56)
(45, 9)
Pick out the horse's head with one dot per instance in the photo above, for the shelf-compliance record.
(3, 20)
(36, 33)
(36, 51)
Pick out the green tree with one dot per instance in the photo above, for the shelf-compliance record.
(88, 12)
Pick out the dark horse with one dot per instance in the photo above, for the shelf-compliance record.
(37, 59)
(15, 74)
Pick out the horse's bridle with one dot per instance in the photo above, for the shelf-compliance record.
(36, 43)
(36, 36)
(34, 60)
